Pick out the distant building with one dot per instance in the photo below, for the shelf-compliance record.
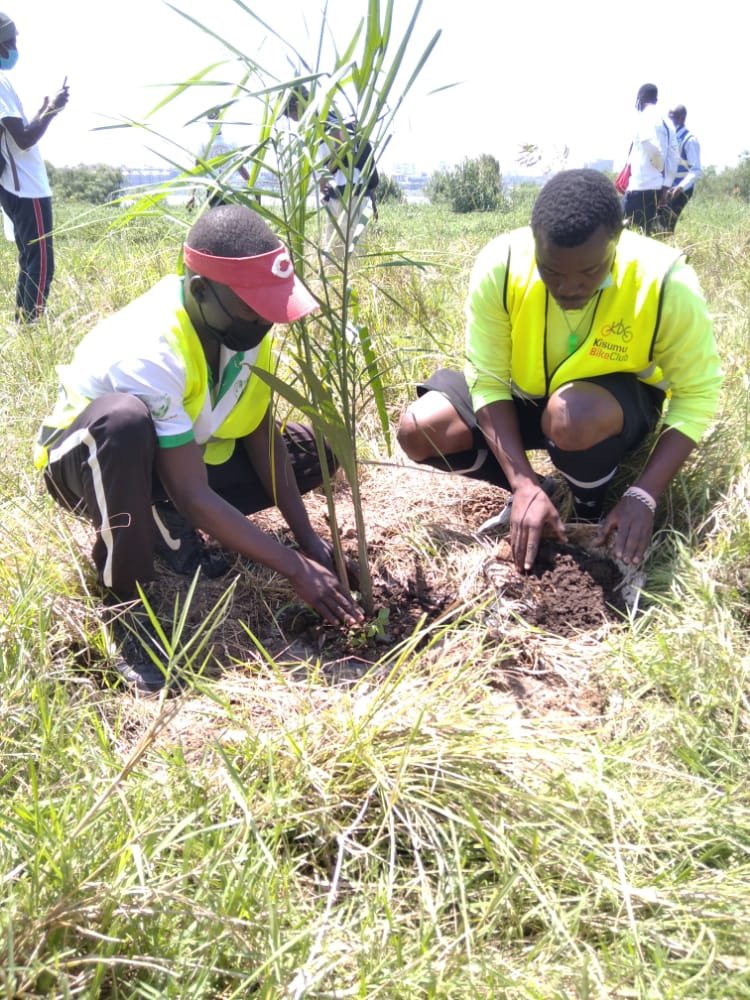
(411, 181)
(140, 176)
(410, 178)
(137, 180)
(518, 180)
(404, 170)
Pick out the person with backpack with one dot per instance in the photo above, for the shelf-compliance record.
(688, 170)
(653, 163)
(25, 193)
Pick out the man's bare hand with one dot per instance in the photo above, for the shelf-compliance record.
(61, 97)
(320, 588)
(321, 551)
(58, 102)
(633, 524)
(532, 512)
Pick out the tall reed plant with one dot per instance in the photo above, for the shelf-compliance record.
(330, 367)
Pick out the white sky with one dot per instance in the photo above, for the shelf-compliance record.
(543, 72)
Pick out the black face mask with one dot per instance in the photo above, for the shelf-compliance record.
(239, 334)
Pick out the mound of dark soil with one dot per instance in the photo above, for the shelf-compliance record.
(569, 590)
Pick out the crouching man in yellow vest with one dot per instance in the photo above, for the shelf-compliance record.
(576, 333)
(161, 428)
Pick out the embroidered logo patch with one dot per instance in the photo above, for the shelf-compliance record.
(282, 266)
(158, 405)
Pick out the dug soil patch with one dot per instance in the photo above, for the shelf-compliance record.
(570, 590)
(443, 595)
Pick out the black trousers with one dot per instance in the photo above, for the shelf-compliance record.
(103, 467)
(641, 211)
(32, 222)
(670, 212)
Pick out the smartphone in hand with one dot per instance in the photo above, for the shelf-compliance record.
(61, 98)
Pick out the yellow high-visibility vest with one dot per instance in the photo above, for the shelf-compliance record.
(624, 324)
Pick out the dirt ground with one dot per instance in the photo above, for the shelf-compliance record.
(539, 633)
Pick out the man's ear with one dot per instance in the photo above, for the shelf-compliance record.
(197, 287)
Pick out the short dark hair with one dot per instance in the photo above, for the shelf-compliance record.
(232, 231)
(647, 94)
(573, 204)
(296, 101)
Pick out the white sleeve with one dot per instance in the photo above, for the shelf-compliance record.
(693, 159)
(10, 106)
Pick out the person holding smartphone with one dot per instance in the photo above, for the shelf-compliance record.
(25, 193)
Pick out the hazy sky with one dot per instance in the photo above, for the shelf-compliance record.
(548, 73)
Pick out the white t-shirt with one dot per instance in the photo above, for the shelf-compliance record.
(32, 174)
(134, 351)
(649, 153)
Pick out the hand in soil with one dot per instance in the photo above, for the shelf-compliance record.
(320, 588)
(532, 512)
(633, 523)
(401, 608)
(321, 551)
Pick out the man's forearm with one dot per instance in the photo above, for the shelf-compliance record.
(499, 424)
(26, 136)
(289, 499)
(269, 457)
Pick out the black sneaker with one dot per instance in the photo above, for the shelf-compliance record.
(180, 547)
(140, 659)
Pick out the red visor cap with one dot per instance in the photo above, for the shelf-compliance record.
(267, 282)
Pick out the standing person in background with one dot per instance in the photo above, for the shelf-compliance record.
(653, 161)
(25, 193)
(218, 146)
(352, 181)
(347, 172)
(688, 170)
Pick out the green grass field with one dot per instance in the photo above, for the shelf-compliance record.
(281, 836)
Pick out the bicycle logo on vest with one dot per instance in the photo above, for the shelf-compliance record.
(603, 346)
(618, 329)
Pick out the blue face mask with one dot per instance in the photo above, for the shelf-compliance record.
(9, 61)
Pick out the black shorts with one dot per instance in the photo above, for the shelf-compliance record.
(641, 406)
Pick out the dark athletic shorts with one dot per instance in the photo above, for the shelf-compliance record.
(641, 405)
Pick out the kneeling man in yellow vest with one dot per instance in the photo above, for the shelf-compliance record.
(162, 427)
(582, 339)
